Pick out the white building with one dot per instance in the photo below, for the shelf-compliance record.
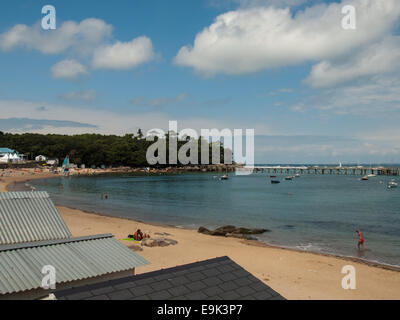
(52, 162)
(41, 158)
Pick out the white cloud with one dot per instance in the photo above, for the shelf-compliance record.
(252, 39)
(89, 38)
(124, 55)
(274, 3)
(85, 95)
(382, 57)
(326, 149)
(377, 97)
(68, 69)
(80, 37)
(109, 122)
(253, 3)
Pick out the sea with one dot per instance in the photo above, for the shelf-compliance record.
(313, 212)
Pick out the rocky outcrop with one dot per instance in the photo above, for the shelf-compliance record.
(159, 242)
(232, 231)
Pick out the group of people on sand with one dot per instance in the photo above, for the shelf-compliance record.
(139, 235)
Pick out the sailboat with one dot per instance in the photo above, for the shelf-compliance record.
(65, 166)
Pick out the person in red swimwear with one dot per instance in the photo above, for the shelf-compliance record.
(360, 239)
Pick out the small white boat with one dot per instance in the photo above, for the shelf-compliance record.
(392, 184)
(297, 175)
(224, 177)
(365, 178)
(289, 178)
(371, 175)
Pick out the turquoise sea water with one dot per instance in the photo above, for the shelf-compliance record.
(317, 213)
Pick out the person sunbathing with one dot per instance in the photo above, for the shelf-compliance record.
(139, 236)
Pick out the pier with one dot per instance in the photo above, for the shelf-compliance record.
(339, 170)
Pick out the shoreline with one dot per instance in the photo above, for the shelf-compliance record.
(256, 243)
(296, 274)
(260, 243)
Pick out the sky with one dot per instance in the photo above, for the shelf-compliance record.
(313, 91)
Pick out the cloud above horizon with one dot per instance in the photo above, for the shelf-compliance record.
(68, 69)
(249, 40)
(108, 121)
(256, 3)
(379, 58)
(78, 37)
(21, 125)
(89, 39)
(124, 55)
(84, 95)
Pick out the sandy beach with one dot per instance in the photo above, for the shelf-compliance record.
(295, 275)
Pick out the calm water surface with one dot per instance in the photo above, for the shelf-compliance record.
(317, 213)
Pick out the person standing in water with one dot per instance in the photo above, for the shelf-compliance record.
(360, 240)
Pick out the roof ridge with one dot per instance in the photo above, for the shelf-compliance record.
(47, 243)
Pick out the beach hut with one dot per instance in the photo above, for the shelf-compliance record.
(34, 239)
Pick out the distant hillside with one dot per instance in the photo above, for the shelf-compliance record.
(89, 149)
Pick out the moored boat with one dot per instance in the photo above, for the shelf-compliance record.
(392, 184)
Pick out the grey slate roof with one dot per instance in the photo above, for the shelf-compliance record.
(74, 259)
(29, 216)
(215, 279)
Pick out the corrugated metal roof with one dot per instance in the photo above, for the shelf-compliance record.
(74, 259)
(29, 216)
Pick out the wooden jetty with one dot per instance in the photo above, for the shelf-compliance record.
(339, 170)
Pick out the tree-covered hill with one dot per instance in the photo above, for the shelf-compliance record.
(89, 149)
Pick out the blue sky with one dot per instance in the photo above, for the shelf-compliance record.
(312, 91)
